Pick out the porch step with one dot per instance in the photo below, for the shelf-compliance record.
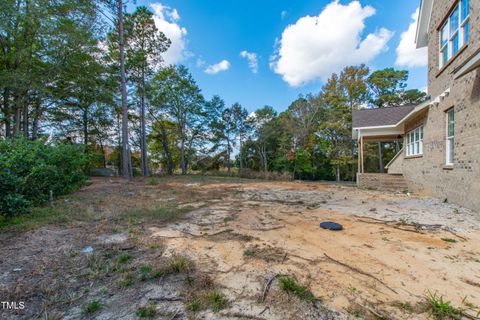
(382, 181)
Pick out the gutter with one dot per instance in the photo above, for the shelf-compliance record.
(469, 65)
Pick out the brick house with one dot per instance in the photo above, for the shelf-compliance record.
(441, 137)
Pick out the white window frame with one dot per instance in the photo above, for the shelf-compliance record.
(460, 33)
(450, 139)
(414, 143)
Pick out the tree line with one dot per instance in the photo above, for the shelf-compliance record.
(86, 72)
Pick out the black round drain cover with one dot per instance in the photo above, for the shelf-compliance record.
(329, 225)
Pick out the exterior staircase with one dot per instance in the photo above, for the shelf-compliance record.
(382, 181)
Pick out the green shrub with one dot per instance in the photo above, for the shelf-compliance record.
(441, 309)
(32, 170)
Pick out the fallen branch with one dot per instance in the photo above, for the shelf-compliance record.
(359, 271)
(397, 226)
(266, 308)
(268, 285)
(378, 220)
(268, 229)
(169, 299)
(206, 234)
(418, 227)
(421, 226)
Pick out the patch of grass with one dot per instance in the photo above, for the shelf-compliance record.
(157, 246)
(449, 240)
(201, 294)
(213, 300)
(195, 305)
(216, 301)
(248, 253)
(290, 286)
(147, 312)
(441, 309)
(175, 264)
(406, 306)
(123, 258)
(38, 217)
(92, 307)
(179, 264)
(127, 280)
(98, 266)
(145, 273)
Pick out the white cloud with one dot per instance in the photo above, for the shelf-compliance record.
(252, 60)
(223, 65)
(315, 47)
(166, 20)
(407, 53)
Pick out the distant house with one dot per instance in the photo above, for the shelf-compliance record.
(441, 137)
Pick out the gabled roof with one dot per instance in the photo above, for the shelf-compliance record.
(380, 117)
(421, 37)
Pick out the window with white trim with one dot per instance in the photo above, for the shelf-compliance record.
(414, 146)
(450, 138)
(455, 33)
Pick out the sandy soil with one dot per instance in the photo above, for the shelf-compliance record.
(395, 249)
(402, 263)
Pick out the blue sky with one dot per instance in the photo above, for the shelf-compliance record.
(211, 32)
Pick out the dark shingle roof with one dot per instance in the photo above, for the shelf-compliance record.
(374, 117)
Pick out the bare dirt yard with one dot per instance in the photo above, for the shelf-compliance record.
(222, 248)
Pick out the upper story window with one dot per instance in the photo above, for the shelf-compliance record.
(455, 32)
(415, 142)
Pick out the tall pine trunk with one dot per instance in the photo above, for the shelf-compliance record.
(85, 128)
(182, 155)
(240, 158)
(125, 145)
(143, 143)
(228, 155)
(166, 149)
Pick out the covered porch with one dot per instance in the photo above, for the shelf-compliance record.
(392, 179)
(395, 138)
(379, 126)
